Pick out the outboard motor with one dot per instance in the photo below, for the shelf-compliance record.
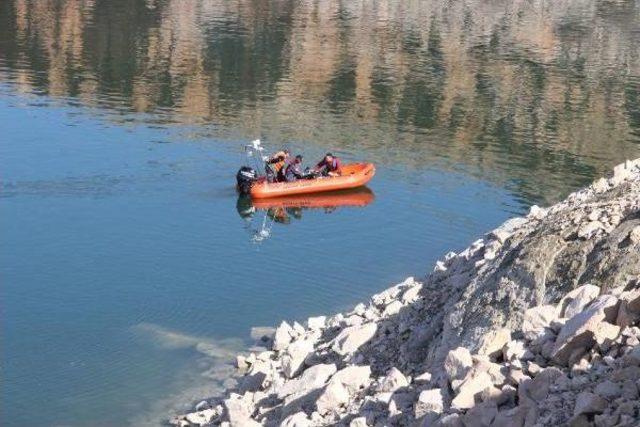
(245, 178)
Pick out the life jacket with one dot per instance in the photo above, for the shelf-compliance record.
(278, 165)
(277, 161)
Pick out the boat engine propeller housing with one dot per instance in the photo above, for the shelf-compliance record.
(245, 178)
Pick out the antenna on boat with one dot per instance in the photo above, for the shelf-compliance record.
(254, 150)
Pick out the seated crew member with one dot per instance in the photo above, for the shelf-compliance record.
(292, 170)
(275, 163)
(329, 166)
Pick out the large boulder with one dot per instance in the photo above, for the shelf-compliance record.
(393, 308)
(496, 372)
(202, 417)
(353, 377)
(393, 381)
(313, 378)
(332, 397)
(538, 388)
(350, 339)
(388, 295)
(283, 336)
(492, 342)
(239, 409)
(579, 331)
(536, 319)
(467, 391)
(606, 333)
(629, 311)
(576, 300)
(411, 294)
(429, 401)
(457, 363)
(316, 323)
(294, 356)
(515, 350)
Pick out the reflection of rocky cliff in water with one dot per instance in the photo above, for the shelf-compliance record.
(548, 87)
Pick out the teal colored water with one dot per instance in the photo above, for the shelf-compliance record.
(131, 273)
(122, 255)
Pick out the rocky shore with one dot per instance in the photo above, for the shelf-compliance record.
(535, 324)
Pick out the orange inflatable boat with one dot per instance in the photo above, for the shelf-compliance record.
(353, 175)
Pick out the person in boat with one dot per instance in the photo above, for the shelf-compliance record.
(330, 165)
(292, 170)
(275, 163)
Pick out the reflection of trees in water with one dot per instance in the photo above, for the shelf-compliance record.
(539, 93)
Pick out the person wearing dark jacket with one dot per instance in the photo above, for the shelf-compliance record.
(292, 170)
(329, 166)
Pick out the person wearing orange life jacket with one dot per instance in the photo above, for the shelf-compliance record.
(275, 163)
(330, 165)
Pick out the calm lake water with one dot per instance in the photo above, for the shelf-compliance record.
(130, 271)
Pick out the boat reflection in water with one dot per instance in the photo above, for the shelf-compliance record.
(283, 209)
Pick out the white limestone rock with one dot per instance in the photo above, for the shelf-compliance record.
(467, 391)
(457, 363)
(298, 329)
(515, 350)
(239, 409)
(283, 336)
(423, 378)
(537, 212)
(590, 229)
(412, 294)
(299, 419)
(313, 378)
(605, 333)
(350, 339)
(393, 380)
(385, 297)
(332, 397)
(201, 417)
(316, 323)
(358, 422)
(242, 364)
(392, 309)
(201, 406)
(579, 331)
(353, 377)
(492, 342)
(536, 319)
(429, 401)
(294, 357)
(629, 311)
(576, 300)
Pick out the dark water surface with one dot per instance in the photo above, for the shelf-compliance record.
(130, 272)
